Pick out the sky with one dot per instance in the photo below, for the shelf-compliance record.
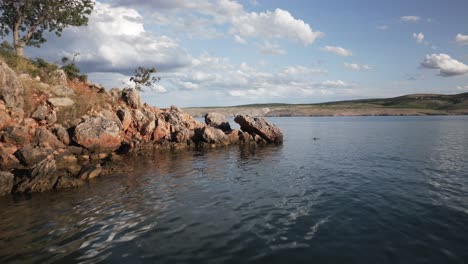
(222, 52)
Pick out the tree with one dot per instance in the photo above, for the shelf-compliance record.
(27, 20)
(143, 77)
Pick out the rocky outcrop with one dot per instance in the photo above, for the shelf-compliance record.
(11, 89)
(257, 126)
(217, 120)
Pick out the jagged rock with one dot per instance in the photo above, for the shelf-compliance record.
(131, 97)
(125, 117)
(98, 134)
(162, 131)
(58, 77)
(6, 182)
(259, 126)
(11, 89)
(31, 155)
(217, 120)
(42, 177)
(234, 136)
(62, 91)
(18, 135)
(61, 101)
(7, 157)
(213, 135)
(44, 136)
(61, 133)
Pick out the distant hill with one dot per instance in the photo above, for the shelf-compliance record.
(412, 104)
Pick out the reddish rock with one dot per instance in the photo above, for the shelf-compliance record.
(125, 117)
(213, 135)
(234, 136)
(162, 131)
(98, 134)
(7, 157)
(259, 126)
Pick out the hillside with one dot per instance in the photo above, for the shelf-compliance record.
(413, 104)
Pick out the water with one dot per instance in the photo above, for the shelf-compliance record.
(369, 190)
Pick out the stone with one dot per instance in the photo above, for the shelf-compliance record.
(90, 172)
(17, 114)
(41, 113)
(61, 133)
(148, 128)
(42, 177)
(58, 77)
(131, 97)
(98, 134)
(259, 126)
(31, 155)
(7, 180)
(5, 119)
(62, 91)
(125, 117)
(66, 181)
(234, 136)
(217, 120)
(18, 135)
(11, 89)
(7, 158)
(213, 135)
(162, 131)
(45, 136)
(61, 101)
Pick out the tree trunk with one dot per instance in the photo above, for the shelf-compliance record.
(19, 47)
(19, 50)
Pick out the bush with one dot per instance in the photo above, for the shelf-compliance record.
(73, 72)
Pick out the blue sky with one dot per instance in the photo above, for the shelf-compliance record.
(221, 52)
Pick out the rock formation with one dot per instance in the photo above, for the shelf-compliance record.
(69, 132)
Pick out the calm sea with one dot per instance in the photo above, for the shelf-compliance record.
(366, 190)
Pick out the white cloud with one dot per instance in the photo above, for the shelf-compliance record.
(301, 71)
(419, 37)
(445, 64)
(461, 39)
(382, 27)
(271, 48)
(357, 67)
(334, 84)
(239, 39)
(338, 51)
(115, 40)
(410, 18)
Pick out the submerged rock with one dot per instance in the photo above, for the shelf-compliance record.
(259, 126)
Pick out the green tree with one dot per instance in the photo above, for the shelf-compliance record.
(27, 20)
(143, 77)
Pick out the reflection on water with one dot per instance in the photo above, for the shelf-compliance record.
(371, 189)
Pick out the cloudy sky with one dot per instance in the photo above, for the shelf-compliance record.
(222, 52)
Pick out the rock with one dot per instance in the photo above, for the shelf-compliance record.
(213, 135)
(5, 119)
(42, 178)
(44, 136)
(61, 133)
(259, 126)
(18, 135)
(162, 131)
(31, 155)
(234, 136)
(62, 91)
(90, 172)
(61, 101)
(183, 136)
(6, 182)
(131, 97)
(43, 113)
(217, 120)
(125, 117)
(98, 134)
(7, 158)
(75, 150)
(11, 89)
(148, 128)
(17, 114)
(58, 77)
(66, 181)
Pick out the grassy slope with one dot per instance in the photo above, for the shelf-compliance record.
(416, 104)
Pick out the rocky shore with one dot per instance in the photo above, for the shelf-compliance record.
(49, 140)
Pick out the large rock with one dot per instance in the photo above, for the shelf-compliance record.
(44, 114)
(42, 177)
(18, 135)
(217, 120)
(6, 182)
(31, 155)
(125, 117)
(61, 101)
(259, 126)
(58, 77)
(61, 133)
(7, 158)
(44, 136)
(213, 135)
(131, 97)
(98, 134)
(62, 90)
(11, 89)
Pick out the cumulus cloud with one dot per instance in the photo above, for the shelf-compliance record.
(240, 40)
(334, 84)
(410, 18)
(382, 27)
(461, 39)
(357, 67)
(115, 40)
(338, 51)
(271, 48)
(419, 37)
(446, 65)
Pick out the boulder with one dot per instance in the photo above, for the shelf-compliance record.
(7, 158)
(61, 133)
(43, 113)
(234, 136)
(41, 178)
(217, 120)
(162, 131)
(259, 126)
(213, 135)
(90, 172)
(67, 181)
(6, 182)
(125, 117)
(62, 91)
(44, 136)
(31, 155)
(11, 89)
(17, 114)
(61, 101)
(98, 134)
(58, 77)
(131, 97)
(18, 135)
(5, 119)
